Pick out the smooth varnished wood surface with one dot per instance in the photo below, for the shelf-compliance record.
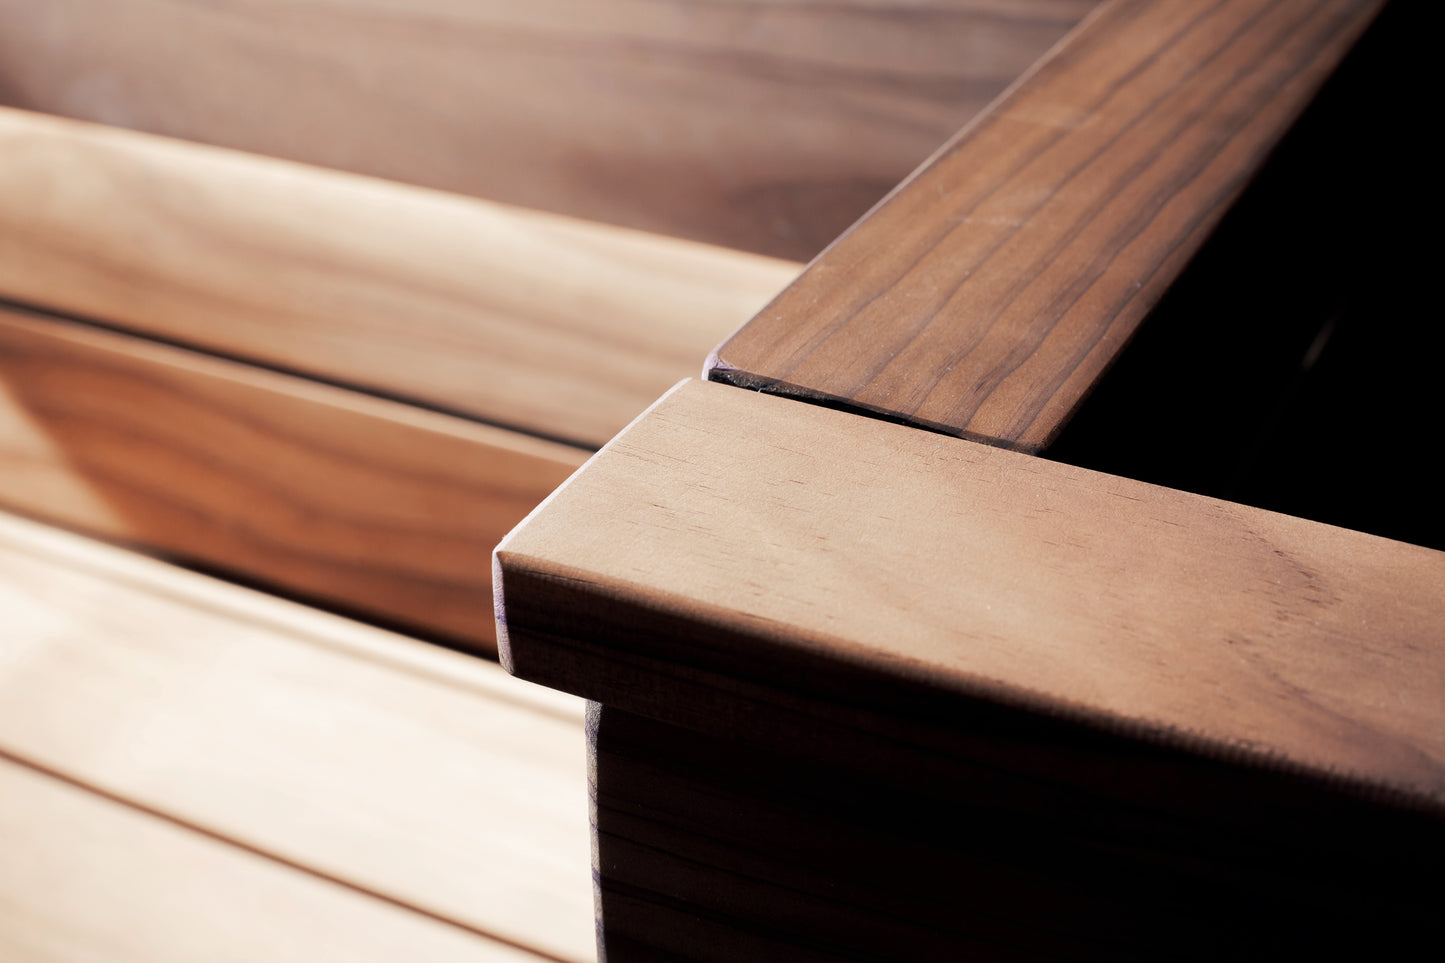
(526, 320)
(86, 879)
(762, 126)
(816, 579)
(993, 288)
(370, 505)
(215, 773)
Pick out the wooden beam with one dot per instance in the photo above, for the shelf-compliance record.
(990, 291)
(868, 692)
(370, 505)
(766, 127)
(526, 320)
(310, 784)
(837, 573)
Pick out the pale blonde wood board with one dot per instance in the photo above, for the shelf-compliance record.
(83, 878)
(424, 776)
(775, 533)
(368, 504)
(762, 126)
(995, 286)
(532, 321)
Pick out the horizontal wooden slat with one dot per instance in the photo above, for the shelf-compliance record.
(385, 765)
(86, 879)
(989, 293)
(739, 562)
(767, 127)
(368, 504)
(554, 326)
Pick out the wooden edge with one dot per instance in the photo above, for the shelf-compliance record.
(745, 565)
(555, 326)
(373, 506)
(987, 294)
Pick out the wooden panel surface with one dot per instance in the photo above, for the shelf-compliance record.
(762, 126)
(713, 849)
(989, 293)
(739, 562)
(86, 879)
(525, 320)
(452, 794)
(370, 505)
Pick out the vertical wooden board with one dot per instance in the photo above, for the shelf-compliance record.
(86, 878)
(426, 777)
(986, 296)
(365, 504)
(554, 326)
(767, 127)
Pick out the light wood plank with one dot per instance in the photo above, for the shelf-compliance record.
(810, 578)
(527, 320)
(371, 505)
(84, 878)
(421, 775)
(762, 126)
(986, 296)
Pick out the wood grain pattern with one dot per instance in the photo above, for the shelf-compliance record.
(522, 319)
(85, 879)
(841, 581)
(991, 290)
(367, 504)
(717, 850)
(454, 794)
(763, 126)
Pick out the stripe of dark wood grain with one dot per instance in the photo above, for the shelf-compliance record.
(990, 291)
(382, 509)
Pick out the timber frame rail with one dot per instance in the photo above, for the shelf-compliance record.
(861, 690)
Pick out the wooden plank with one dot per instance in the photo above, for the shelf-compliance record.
(86, 879)
(806, 578)
(986, 296)
(766, 127)
(522, 319)
(382, 764)
(366, 504)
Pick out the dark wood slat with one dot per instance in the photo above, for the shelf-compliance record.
(762, 126)
(989, 293)
(375, 506)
